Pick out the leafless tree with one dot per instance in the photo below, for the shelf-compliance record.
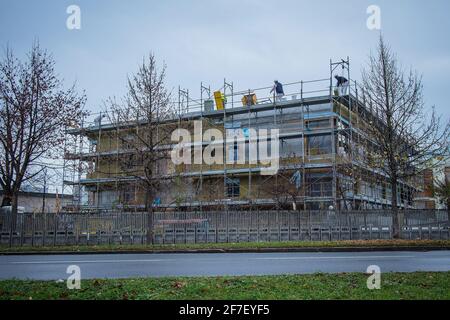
(282, 189)
(408, 138)
(34, 110)
(143, 130)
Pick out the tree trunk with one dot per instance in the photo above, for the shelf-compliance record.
(149, 211)
(14, 206)
(150, 226)
(396, 223)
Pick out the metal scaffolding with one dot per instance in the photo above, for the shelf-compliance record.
(308, 111)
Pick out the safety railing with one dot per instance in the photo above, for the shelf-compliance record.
(292, 91)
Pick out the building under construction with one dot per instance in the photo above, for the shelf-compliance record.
(323, 154)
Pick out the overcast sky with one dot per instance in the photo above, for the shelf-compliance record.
(250, 42)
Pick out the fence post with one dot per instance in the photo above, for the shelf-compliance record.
(217, 225)
(131, 228)
(309, 225)
(120, 219)
(150, 227)
(320, 224)
(289, 225)
(279, 225)
(391, 227)
(227, 213)
(350, 226)
(448, 229)
(439, 228)
(55, 229)
(206, 215)
(429, 232)
(237, 226)
(339, 217)
(249, 225)
(87, 228)
(44, 231)
(192, 215)
(22, 226)
(258, 222)
(142, 227)
(32, 228)
(10, 228)
(66, 236)
(77, 231)
(299, 223)
(174, 229)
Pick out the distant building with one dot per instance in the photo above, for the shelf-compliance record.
(426, 199)
(32, 201)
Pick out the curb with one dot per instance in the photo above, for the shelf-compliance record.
(235, 250)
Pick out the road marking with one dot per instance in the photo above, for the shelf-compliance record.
(319, 258)
(87, 261)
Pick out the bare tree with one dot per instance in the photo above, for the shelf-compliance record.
(407, 137)
(284, 190)
(34, 110)
(143, 130)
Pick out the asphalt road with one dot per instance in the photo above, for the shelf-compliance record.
(53, 267)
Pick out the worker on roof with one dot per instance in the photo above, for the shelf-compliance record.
(342, 85)
(278, 89)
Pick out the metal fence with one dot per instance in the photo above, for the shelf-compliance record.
(216, 227)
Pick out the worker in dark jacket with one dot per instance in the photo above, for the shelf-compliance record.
(278, 89)
(342, 85)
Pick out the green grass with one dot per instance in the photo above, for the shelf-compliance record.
(241, 245)
(349, 286)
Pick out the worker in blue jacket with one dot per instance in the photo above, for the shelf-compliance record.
(278, 89)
